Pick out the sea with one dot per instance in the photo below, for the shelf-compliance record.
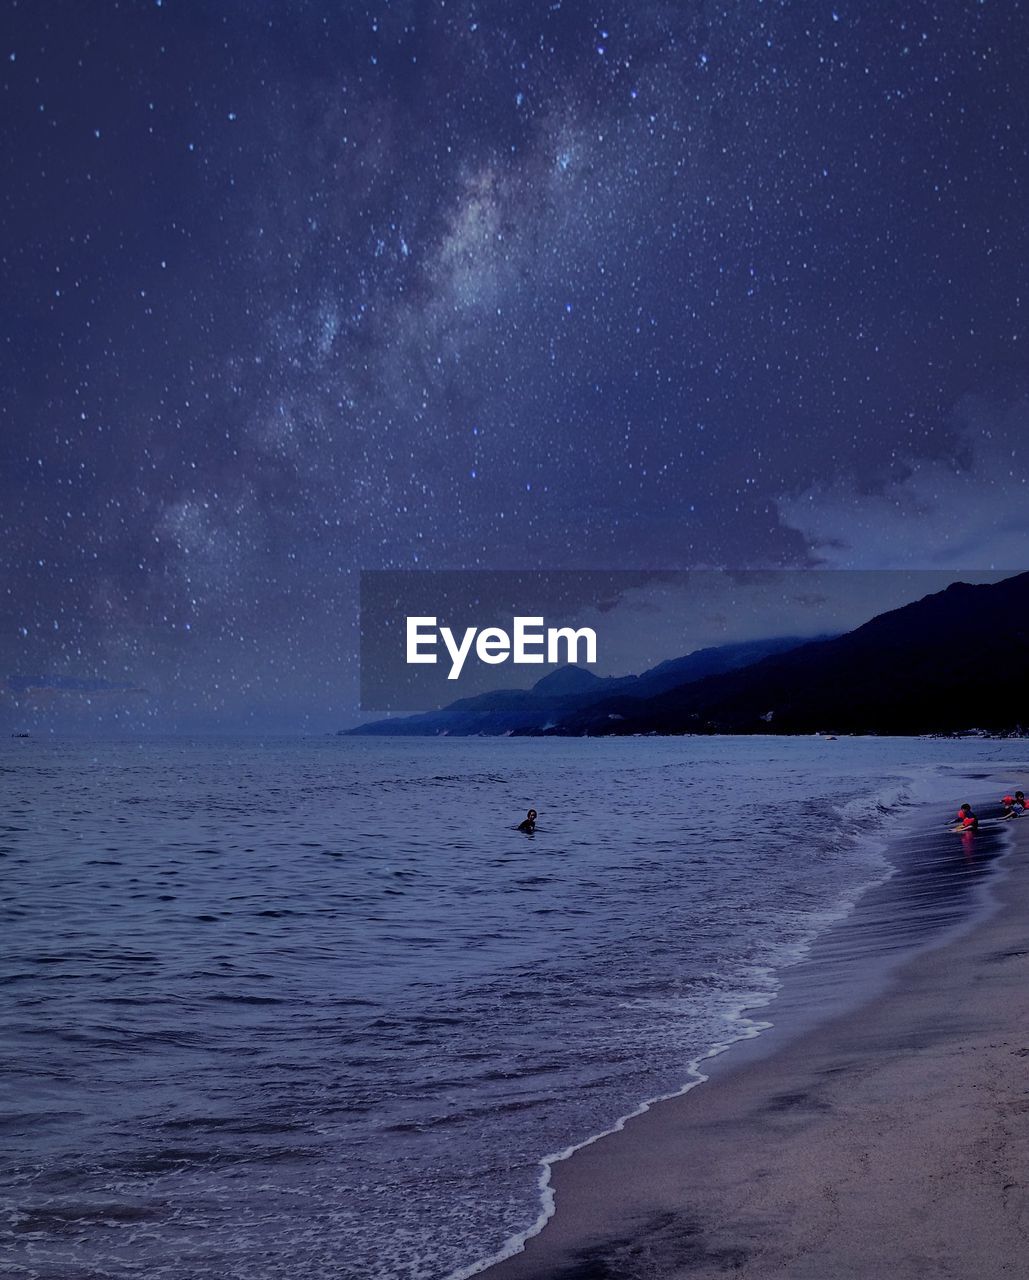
(315, 1008)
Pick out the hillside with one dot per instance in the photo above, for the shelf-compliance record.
(570, 691)
(950, 661)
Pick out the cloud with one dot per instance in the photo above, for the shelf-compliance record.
(967, 511)
(68, 685)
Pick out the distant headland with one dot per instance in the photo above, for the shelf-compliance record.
(951, 663)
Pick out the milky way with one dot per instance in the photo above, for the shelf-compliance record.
(295, 289)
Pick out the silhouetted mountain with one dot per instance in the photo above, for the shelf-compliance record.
(568, 679)
(952, 661)
(710, 662)
(569, 690)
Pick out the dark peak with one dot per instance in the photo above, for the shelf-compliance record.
(566, 679)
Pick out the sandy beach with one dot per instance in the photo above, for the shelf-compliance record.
(892, 1140)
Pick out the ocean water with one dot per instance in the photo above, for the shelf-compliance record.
(314, 1008)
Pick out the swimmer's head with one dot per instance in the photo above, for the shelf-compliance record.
(532, 815)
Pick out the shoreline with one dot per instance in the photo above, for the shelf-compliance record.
(672, 1189)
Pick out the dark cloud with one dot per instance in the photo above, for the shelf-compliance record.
(65, 684)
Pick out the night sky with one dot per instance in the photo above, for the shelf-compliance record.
(293, 289)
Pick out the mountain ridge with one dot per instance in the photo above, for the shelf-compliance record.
(561, 692)
(953, 660)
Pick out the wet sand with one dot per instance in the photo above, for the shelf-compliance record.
(891, 1141)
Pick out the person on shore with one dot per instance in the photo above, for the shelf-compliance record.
(1014, 806)
(528, 823)
(967, 821)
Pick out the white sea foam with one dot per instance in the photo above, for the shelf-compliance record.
(870, 820)
(356, 1006)
(516, 1243)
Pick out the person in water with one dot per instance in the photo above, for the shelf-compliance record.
(967, 821)
(1014, 805)
(528, 824)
